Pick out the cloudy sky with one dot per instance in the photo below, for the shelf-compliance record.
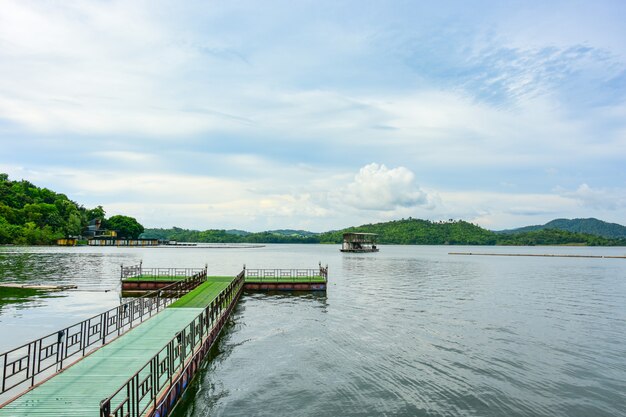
(318, 114)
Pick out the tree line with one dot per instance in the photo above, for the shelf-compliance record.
(30, 215)
(399, 232)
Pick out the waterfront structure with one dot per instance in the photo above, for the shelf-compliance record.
(359, 242)
(114, 241)
(163, 337)
(67, 241)
(136, 280)
(94, 229)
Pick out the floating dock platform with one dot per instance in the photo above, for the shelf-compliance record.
(135, 360)
(140, 280)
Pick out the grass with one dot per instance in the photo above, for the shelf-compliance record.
(202, 296)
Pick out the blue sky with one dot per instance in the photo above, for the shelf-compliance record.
(319, 115)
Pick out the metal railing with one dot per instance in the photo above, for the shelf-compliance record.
(287, 275)
(31, 363)
(137, 271)
(324, 272)
(131, 271)
(149, 388)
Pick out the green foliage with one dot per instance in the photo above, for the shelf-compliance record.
(30, 215)
(401, 232)
(420, 232)
(589, 226)
(224, 236)
(96, 213)
(125, 226)
(557, 237)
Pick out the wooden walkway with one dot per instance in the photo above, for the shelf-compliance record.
(78, 390)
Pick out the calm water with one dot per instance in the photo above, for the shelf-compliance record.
(409, 331)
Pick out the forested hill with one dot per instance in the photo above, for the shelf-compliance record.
(589, 226)
(228, 236)
(403, 232)
(420, 232)
(30, 215)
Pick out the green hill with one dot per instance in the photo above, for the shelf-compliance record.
(227, 236)
(557, 237)
(589, 226)
(291, 232)
(401, 232)
(420, 232)
(30, 215)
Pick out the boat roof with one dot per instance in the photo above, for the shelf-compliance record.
(359, 233)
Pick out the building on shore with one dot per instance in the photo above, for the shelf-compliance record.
(67, 241)
(114, 241)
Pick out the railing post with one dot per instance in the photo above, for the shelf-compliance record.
(4, 370)
(34, 364)
(154, 370)
(105, 408)
(183, 342)
(105, 326)
(135, 388)
(60, 335)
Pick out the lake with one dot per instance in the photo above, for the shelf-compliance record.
(408, 331)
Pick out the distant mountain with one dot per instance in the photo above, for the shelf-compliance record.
(589, 226)
(400, 232)
(291, 232)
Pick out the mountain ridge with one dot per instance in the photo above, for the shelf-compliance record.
(402, 232)
(589, 225)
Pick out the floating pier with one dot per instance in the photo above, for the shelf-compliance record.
(136, 280)
(286, 279)
(544, 255)
(137, 359)
(38, 287)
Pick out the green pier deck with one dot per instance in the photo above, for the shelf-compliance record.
(170, 278)
(78, 390)
(313, 278)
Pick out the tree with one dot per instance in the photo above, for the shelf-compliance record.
(96, 213)
(125, 226)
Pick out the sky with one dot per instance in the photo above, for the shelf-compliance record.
(318, 115)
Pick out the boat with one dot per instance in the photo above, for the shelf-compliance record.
(359, 242)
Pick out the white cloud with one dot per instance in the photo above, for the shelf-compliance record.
(377, 187)
(210, 115)
(597, 198)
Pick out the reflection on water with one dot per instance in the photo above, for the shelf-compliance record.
(411, 331)
(408, 331)
(78, 268)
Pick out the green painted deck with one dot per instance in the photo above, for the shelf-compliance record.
(285, 279)
(169, 278)
(204, 294)
(78, 390)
